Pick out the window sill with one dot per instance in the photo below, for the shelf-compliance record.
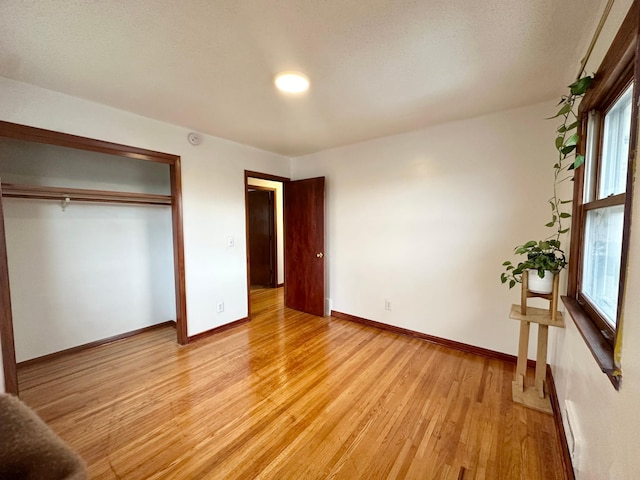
(601, 350)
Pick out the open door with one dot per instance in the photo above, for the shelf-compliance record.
(304, 263)
(262, 241)
(6, 321)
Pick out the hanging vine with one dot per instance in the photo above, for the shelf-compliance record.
(546, 254)
(566, 143)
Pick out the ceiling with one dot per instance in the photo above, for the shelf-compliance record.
(377, 67)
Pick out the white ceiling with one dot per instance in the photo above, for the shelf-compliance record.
(377, 67)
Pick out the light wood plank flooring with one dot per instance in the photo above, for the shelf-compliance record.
(291, 396)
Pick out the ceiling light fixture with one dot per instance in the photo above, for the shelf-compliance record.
(292, 82)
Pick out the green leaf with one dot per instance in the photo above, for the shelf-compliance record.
(578, 161)
(503, 278)
(559, 141)
(565, 215)
(563, 231)
(564, 202)
(512, 283)
(562, 128)
(529, 244)
(573, 140)
(579, 87)
(563, 111)
(568, 149)
(504, 264)
(572, 126)
(550, 224)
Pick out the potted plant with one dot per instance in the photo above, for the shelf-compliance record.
(546, 255)
(544, 258)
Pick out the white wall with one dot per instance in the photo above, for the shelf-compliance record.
(279, 220)
(606, 420)
(212, 181)
(87, 273)
(425, 220)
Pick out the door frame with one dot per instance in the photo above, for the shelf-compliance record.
(39, 135)
(260, 176)
(274, 226)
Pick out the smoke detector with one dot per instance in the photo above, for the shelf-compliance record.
(194, 138)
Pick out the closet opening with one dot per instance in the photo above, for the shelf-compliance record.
(91, 244)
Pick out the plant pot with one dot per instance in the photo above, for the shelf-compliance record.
(536, 284)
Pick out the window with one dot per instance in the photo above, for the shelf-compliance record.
(602, 201)
(604, 197)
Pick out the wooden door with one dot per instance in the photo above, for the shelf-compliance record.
(6, 320)
(262, 237)
(304, 263)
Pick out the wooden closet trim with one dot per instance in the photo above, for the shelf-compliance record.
(6, 324)
(39, 135)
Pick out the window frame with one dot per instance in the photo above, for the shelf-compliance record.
(618, 70)
(603, 109)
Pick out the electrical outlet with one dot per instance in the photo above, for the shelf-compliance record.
(387, 305)
(220, 307)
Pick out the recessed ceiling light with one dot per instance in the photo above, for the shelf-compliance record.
(292, 82)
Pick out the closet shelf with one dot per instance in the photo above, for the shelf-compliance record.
(13, 190)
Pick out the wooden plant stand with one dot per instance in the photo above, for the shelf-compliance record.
(535, 397)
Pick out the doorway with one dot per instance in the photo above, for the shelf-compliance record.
(264, 232)
(300, 237)
(263, 237)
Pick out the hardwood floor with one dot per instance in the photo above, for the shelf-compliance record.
(291, 396)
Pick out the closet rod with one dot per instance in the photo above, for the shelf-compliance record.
(80, 194)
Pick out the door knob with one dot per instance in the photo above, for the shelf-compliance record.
(320, 255)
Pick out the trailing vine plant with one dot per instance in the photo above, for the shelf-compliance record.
(546, 254)
(566, 143)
